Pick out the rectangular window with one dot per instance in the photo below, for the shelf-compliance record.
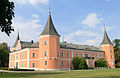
(96, 56)
(46, 62)
(58, 54)
(76, 54)
(45, 53)
(68, 63)
(62, 54)
(90, 63)
(86, 55)
(111, 50)
(33, 54)
(45, 42)
(111, 56)
(103, 56)
(99, 56)
(33, 64)
(62, 63)
(81, 55)
(67, 55)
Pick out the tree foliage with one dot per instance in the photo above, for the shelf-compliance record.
(117, 52)
(101, 63)
(4, 55)
(79, 63)
(6, 16)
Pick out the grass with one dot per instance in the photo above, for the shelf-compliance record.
(107, 73)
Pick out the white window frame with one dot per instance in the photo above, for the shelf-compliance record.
(45, 42)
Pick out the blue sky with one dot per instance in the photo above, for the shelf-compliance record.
(77, 21)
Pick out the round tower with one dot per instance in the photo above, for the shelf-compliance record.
(49, 45)
(108, 48)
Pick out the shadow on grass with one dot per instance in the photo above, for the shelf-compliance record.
(107, 77)
(31, 74)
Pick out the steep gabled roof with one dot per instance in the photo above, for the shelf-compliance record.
(18, 38)
(49, 28)
(106, 39)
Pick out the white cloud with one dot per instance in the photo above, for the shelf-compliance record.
(84, 37)
(29, 30)
(32, 2)
(92, 20)
(35, 16)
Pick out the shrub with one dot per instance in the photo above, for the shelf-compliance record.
(79, 63)
(83, 64)
(101, 63)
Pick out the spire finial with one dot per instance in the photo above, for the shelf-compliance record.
(49, 11)
(18, 35)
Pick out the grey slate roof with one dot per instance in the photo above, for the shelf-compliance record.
(79, 47)
(18, 38)
(25, 44)
(49, 28)
(106, 39)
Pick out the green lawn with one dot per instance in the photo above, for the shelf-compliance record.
(109, 73)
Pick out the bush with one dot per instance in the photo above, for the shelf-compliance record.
(83, 64)
(101, 63)
(79, 63)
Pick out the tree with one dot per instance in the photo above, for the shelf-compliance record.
(6, 16)
(83, 64)
(4, 55)
(79, 63)
(117, 52)
(76, 62)
(101, 63)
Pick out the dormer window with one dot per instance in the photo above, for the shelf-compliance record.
(45, 42)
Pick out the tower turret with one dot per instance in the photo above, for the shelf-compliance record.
(49, 45)
(17, 44)
(108, 47)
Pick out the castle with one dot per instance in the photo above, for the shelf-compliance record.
(51, 54)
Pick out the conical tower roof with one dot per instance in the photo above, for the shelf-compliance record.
(49, 28)
(106, 39)
(18, 38)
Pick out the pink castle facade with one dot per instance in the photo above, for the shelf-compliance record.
(51, 54)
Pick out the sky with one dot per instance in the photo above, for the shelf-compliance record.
(77, 21)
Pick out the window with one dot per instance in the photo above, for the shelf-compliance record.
(16, 56)
(76, 55)
(81, 55)
(96, 56)
(46, 62)
(67, 54)
(45, 53)
(111, 56)
(90, 63)
(57, 42)
(111, 50)
(45, 42)
(62, 63)
(112, 63)
(58, 54)
(86, 55)
(99, 56)
(33, 54)
(33, 64)
(68, 63)
(103, 56)
(62, 54)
